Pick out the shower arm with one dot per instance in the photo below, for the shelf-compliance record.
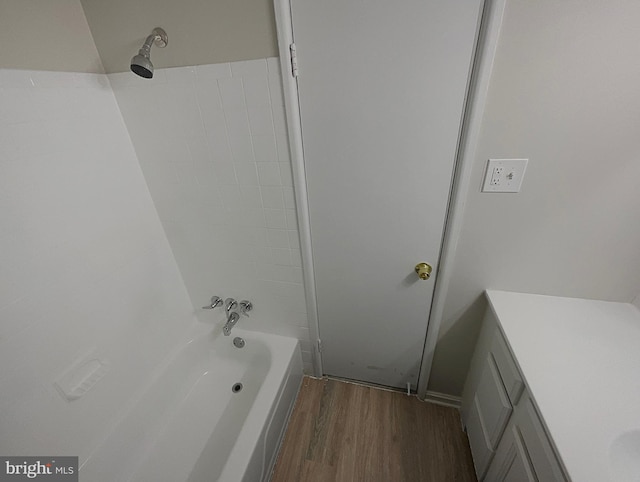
(158, 36)
(145, 50)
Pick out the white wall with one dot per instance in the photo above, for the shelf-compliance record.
(212, 143)
(200, 32)
(85, 264)
(636, 302)
(564, 93)
(46, 35)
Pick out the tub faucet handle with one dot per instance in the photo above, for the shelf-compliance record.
(215, 302)
(245, 307)
(231, 304)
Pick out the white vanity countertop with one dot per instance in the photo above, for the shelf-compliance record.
(581, 362)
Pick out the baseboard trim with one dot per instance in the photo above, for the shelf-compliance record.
(366, 384)
(443, 399)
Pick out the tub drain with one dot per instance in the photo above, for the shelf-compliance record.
(238, 342)
(236, 387)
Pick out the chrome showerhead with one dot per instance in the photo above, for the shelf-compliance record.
(141, 64)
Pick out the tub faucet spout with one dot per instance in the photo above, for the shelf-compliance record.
(232, 319)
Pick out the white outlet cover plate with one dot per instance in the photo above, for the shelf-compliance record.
(510, 177)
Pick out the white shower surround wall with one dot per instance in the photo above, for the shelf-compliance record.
(86, 267)
(88, 273)
(212, 143)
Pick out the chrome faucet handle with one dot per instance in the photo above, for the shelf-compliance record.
(245, 307)
(231, 304)
(215, 302)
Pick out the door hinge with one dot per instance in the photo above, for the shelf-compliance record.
(294, 60)
(319, 345)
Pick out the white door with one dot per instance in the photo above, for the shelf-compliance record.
(381, 88)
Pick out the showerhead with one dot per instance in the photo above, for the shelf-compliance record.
(141, 64)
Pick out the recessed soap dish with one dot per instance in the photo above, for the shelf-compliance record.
(81, 377)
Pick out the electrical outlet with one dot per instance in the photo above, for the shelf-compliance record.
(496, 176)
(504, 175)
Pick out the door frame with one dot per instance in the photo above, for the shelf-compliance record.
(477, 90)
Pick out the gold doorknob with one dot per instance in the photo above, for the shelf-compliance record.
(423, 270)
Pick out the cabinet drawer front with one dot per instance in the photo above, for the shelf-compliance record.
(520, 470)
(511, 462)
(488, 416)
(493, 403)
(509, 373)
(480, 450)
(543, 458)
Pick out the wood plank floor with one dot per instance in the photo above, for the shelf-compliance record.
(343, 432)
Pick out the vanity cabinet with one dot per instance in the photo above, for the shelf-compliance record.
(507, 438)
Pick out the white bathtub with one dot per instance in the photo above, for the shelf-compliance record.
(188, 425)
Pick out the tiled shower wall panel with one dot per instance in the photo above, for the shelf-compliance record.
(85, 267)
(212, 144)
